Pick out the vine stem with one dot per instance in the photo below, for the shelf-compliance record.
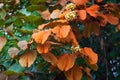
(103, 48)
(93, 1)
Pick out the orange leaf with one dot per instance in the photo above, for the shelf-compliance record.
(13, 51)
(87, 70)
(45, 14)
(41, 36)
(53, 24)
(55, 14)
(112, 19)
(51, 58)
(98, 1)
(74, 73)
(27, 59)
(103, 19)
(92, 56)
(118, 27)
(62, 31)
(62, 16)
(66, 61)
(92, 10)
(44, 48)
(3, 41)
(82, 14)
(80, 2)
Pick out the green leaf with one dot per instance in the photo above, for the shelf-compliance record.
(15, 69)
(35, 19)
(2, 23)
(18, 22)
(37, 1)
(2, 13)
(40, 7)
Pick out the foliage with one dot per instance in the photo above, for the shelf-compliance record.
(59, 39)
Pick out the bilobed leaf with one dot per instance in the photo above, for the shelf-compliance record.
(13, 51)
(3, 41)
(23, 45)
(41, 36)
(62, 31)
(66, 61)
(75, 73)
(49, 57)
(44, 48)
(82, 14)
(27, 58)
(112, 19)
(92, 10)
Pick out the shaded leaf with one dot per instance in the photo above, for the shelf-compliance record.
(44, 48)
(23, 44)
(3, 41)
(75, 73)
(13, 51)
(112, 19)
(27, 58)
(51, 58)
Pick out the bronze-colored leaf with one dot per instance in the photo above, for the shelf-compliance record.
(112, 19)
(41, 36)
(13, 51)
(66, 61)
(51, 58)
(55, 14)
(3, 41)
(23, 44)
(27, 58)
(75, 73)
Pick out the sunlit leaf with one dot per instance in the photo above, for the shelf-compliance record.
(41, 36)
(55, 14)
(93, 10)
(80, 2)
(62, 31)
(92, 56)
(66, 61)
(27, 58)
(82, 14)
